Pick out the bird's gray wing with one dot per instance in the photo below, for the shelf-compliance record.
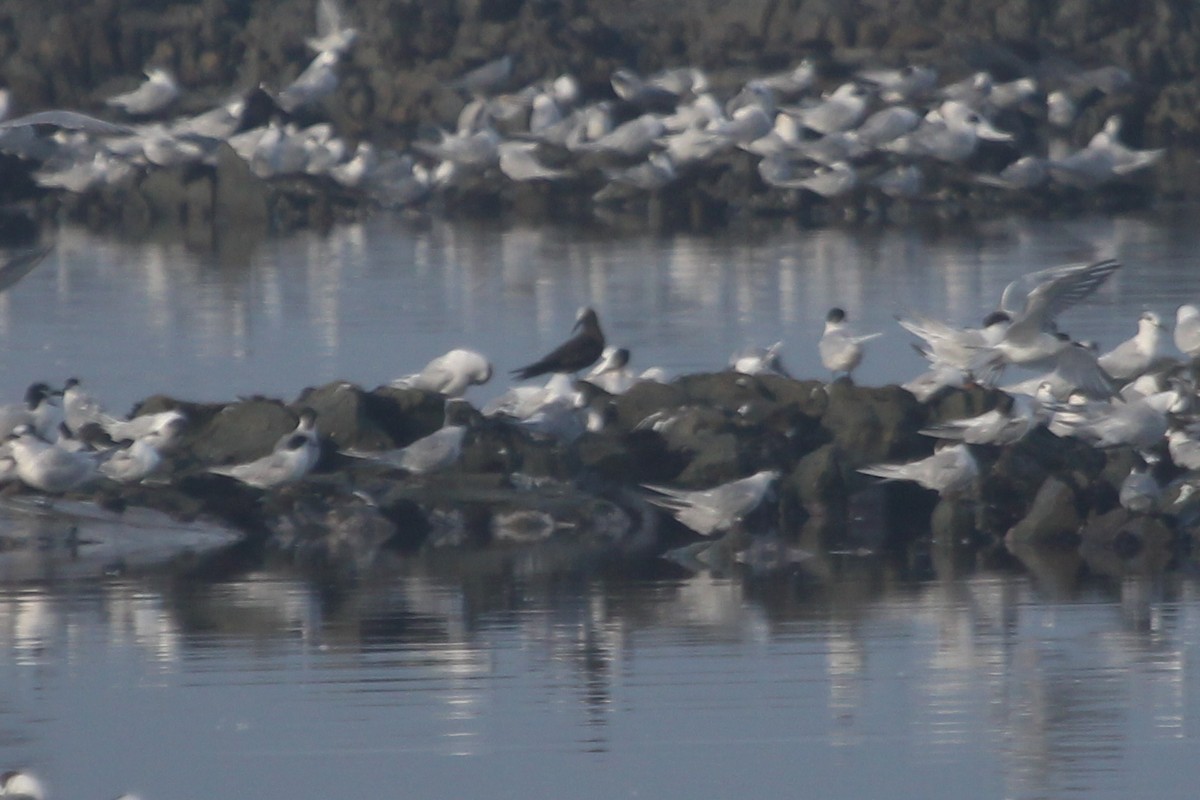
(732, 499)
(1080, 368)
(1016, 294)
(70, 120)
(1060, 292)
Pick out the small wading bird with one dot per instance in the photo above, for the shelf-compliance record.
(707, 511)
(38, 410)
(450, 374)
(951, 470)
(841, 350)
(576, 353)
(22, 784)
(48, 467)
(295, 454)
(158, 91)
(433, 453)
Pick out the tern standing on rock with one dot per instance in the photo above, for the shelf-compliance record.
(1135, 356)
(841, 350)
(48, 467)
(576, 353)
(295, 454)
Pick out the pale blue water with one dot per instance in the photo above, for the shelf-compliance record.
(699, 687)
(843, 679)
(371, 302)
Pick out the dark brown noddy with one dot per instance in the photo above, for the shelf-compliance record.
(580, 351)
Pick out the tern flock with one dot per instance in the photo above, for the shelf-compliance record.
(1138, 395)
(823, 129)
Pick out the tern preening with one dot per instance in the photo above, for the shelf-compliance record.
(450, 374)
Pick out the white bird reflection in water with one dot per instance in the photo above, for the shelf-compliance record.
(138, 618)
(846, 670)
(978, 680)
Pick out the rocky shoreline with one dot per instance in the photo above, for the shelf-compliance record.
(583, 495)
(398, 80)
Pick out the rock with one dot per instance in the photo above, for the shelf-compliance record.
(815, 487)
(240, 198)
(1052, 518)
(1020, 471)
(873, 425)
(952, 404)
(1056, 569)
(239, 432)
(405, 414)
(952, 524)
(644, 399)
(358, 420)
(165, 194)
(327, 530)
(635, 457)
(1119, 543)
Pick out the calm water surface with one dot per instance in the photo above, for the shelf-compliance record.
(513, 676)
(370, 302)
(850, 685)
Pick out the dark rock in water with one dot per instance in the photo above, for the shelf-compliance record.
(875, 424)
(381, 420)
(645, 398)
(404, 414)
(239, 432)
(240, 198)
(638, 456)
(952, 404)
(324, 528)
(1052, 518)
(1056, 569)
(1019, 472)
(178, 196)
(953, 522)
(817, 486)
(1119, 543)
(716, 458)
